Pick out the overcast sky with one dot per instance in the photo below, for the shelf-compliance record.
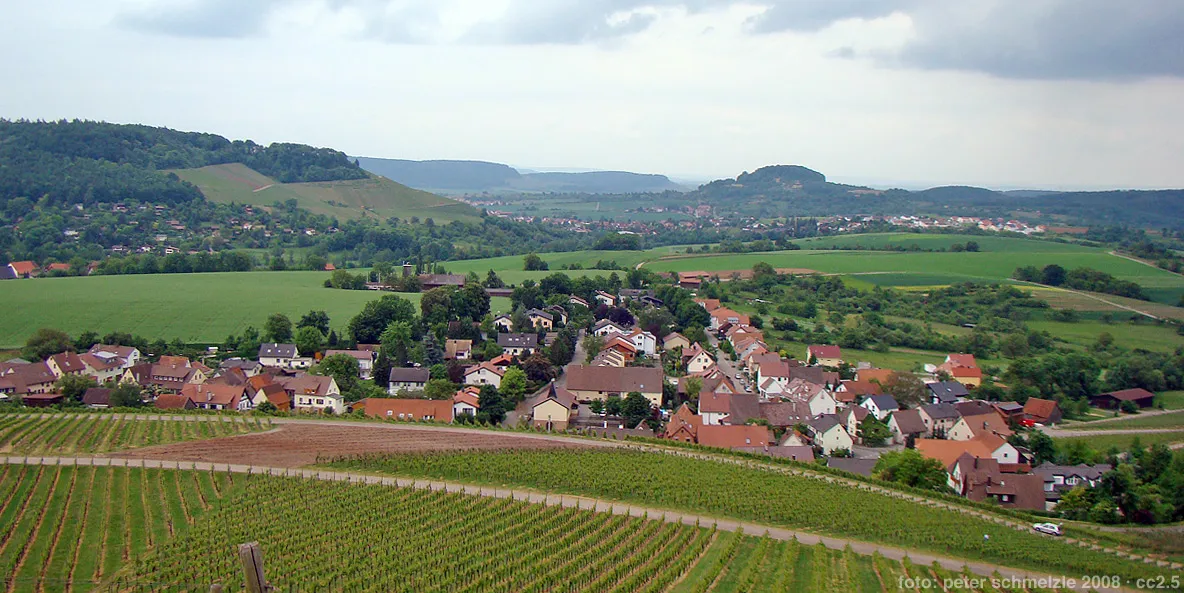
(1000, 93)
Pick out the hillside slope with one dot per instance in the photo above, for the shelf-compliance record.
(480, 176)
(347, 199)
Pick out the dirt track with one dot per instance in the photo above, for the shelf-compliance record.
(296, 445)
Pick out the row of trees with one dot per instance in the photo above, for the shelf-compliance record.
(1081, 279)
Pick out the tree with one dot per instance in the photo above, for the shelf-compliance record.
(397, 341)
(85, 341)
(278, 328)
(436, 305)
(873, 432)
(1043, 448)
(1052, 275)
(538, 368)
(612, 405)
(342, 367)
(367, 326)
(440, 389)
(907, 389)
(492, 280)
(381, 375)
(592, 344)
(596, 406)
(533, 263)
(513, 385)
(73, 386)
(492, 406)
(309, 340)
(761, 269)
(635, 409)
(46, 342)
(267, 408)
(126, 395)
(694, 386)
(317, 319)
(972, 246)
(910, 468)
(432, 353)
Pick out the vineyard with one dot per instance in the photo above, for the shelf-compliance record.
(679, 483)
(101, 433)
(119, 529)
(79, 525)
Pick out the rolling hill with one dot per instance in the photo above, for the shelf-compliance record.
(480, 176)
(346, 199)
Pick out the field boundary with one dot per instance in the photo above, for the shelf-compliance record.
(560, 500)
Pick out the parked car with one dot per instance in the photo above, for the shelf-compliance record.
(1049, 528)
(1027, 423)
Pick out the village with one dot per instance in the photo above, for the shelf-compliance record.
(748, 399)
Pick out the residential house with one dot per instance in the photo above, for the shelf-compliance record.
(778, 371)
(171, 375)
(102, 369)
(644, 341)
(589, 383)
(697, 359)
(754, 362)
(609, 357)
(947, 392)
(721, 316)
(981, 479)
(365, 360)
(1010, 411)
(407, 379)
(988, 446)
(815, 375)
(1059, 479)
(963, 368)
(692, 280)
(520, 345)
(848, 392)
(879, 376)
(215, 396)
(714, 408)
(485, 373)
(411, 410)
(1043, 411)
(734, 437)
(23, 269)
(850, 418)
(827, 356)
(130, 356)
(466, 401)
(97, 397)
(708, 383)
(503, 323)
(552, 408)
(939, 419)
(880, 405)
(829, 435)
(575, 300)
(975, 407)
(818, 398)
(26, 378)
(604, 328)
(969, 427)
(274, 394)
(540, 319)
(1115, 399)
(623, 347)
(683, 425)
(250, 368)
(314, 393)
(173, 401)
(605, 298)
(458, 349)
(66, 364)
(284, 356)
(6, 273)
(430, 281)
(674, 341)
(42, 400)
(905, 424)
(785, 415)
(559, 313)
(709, 304)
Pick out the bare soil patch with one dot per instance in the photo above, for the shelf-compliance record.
(295, 445)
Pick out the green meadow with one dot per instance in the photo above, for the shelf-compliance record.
(201, 308)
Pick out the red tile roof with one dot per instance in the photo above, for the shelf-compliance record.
(826, 351)
(23, 267)
(410, 409)
(1040, 410)
(727, 437)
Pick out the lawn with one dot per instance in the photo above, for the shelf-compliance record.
(195, 308)
(934, 242)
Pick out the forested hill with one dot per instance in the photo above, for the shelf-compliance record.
(791, 190)
(81, 162)
(456, 177)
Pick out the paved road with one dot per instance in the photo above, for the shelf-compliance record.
(591, 504)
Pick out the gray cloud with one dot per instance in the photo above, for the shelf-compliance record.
(1053, 39)
(1025, 39)
(203, 18)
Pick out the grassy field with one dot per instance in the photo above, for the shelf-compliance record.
(1146, 336)
(1171, 400)
(1123, 441)
(200, 308)
(104, 433)
(376, 196)
(1158, 421)
(933, 242)
(773, 498)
